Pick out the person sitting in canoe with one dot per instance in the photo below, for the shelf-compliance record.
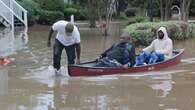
(160, 49)
(119, 54)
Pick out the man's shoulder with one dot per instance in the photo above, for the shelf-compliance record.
(170, 39)
(61, 22)
(76, 28)
(155, 40)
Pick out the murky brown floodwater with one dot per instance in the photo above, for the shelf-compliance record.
(28, 84)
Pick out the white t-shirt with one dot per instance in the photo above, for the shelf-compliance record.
(66, 40)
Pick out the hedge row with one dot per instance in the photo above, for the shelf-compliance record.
(143, 33)
(31, 8)
(49, 17)
(42, 12)
(79, 14)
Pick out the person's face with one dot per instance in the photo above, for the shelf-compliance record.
(160, 35)
(124, 39)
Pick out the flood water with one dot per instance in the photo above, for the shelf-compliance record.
(28, 84)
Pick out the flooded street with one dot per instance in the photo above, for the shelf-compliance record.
(28, 84)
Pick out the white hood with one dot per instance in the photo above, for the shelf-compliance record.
(164, 46)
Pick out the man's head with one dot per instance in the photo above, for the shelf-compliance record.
(69, 28)
(125, 37)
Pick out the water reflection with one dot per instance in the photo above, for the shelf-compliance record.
(46, 75)
(105, 92)
(3, 82)
(162, 85)
(10, 43)
(188, 61)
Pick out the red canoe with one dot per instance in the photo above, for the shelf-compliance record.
(86, 69)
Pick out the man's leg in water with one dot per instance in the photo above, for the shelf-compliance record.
(57, 52)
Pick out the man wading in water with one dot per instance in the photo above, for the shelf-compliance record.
(67, 37)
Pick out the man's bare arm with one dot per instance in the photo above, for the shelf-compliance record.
(78, 51)
(49, 37)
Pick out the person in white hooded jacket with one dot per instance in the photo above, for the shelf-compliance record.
(160, 49)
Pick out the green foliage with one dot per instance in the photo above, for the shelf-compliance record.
(153, 5)
(31, 8)
(49, 11)
(49, 17)
(122, 16)
(78, 12)
(192, 10)
(73, 6)
(39, 15)
(130, 12)
(52, 5)
(138, 3)
(82, 14)
(143, 32)
(69, 11)
(138, 19)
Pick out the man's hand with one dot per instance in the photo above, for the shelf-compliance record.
(78, 61)
(48, 44)
(125, 66)
(99, 58)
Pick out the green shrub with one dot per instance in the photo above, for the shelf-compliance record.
(43, 11)
(82, 14)
(51, 5)
(143, 32)
(79, 14)
(138, 19)
(69, 11)
(49, 17)
(31, 8)
(122, 16)
(73, 6)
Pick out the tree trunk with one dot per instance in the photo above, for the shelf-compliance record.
(182, 9)
(188, 9)
(108, 12)
(165, 9)
(168, 4)
(161, 10)
(185, 8)
(117, 8)
(92, 13)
